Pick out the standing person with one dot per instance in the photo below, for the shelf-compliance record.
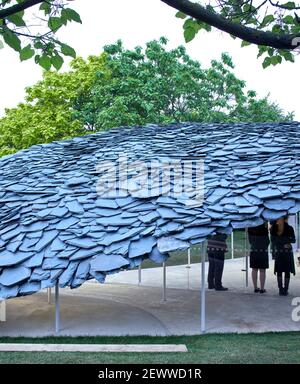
(259, 258)
(282, 237)
(216, 249)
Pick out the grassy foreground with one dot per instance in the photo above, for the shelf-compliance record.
(215, 348)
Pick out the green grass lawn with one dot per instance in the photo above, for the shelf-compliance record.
(215, 348)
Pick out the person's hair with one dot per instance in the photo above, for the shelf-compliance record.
(285, 217)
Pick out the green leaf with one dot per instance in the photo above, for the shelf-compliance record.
(27, 53)
(67, 50)
(276, 60)
(289, 19)
(45, 62)
(17, 19)
(288, 56)
(261, 49)
(245, 43)
(11, 39)
(46, 7)
(57, 61)
(71, 15)
(1, 44)
(267, 62)
(267, 20)
(289, 5)
(189, 34)
(38, 45)
(54, 23)
(276, 28)
(180, 15)
(246, 7)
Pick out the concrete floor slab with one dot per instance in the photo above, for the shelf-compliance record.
(120, 308)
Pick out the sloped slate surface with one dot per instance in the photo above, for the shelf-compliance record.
(56, 225)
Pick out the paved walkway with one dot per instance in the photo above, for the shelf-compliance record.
(121, 308)
(152, 348)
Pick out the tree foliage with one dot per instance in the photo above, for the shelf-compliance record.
(131, 87)
(156, 85)
(47, 113)
(274, 26)
(33, 35)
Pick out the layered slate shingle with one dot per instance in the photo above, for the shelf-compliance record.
(56, 225)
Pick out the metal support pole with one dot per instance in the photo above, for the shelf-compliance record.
(203, 304)
(57, 309)
(188, 267)
(49, 295)
(2, 310)
(297, 230)
(140, 274)
(232, 245)
(298, 218)
(247, 257)
(164, 298)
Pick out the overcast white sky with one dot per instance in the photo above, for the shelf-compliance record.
(138, 21)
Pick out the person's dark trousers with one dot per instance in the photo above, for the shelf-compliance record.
(280, 283)
(283, 289)
(215, 271)
(219, 267)
(211, 272)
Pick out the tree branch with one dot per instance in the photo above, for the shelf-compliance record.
(254, 36)
(18, 7)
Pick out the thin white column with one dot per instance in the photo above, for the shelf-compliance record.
(140, 275)
(298, 226)
(297, 230)
(232, 245)
(203, 304)
(164, 296)
(188, 267)
(49, 295)
(2, 310)
(247, 257)
(57, 309)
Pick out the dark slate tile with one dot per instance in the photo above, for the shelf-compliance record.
(39, 274)
(85, 253)
(67, 223)
(141, 247)
(157, 256)
(74, 207)
(8, 258)
(29, 288)
(66, 277)
(47, 238)
(83, 269)
(8, 292)
(14, 275)
(104, 263)
(55, 263)
(59, 211)
(167, 244)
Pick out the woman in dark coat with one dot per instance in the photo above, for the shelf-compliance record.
(259, 258)
(282, 237)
